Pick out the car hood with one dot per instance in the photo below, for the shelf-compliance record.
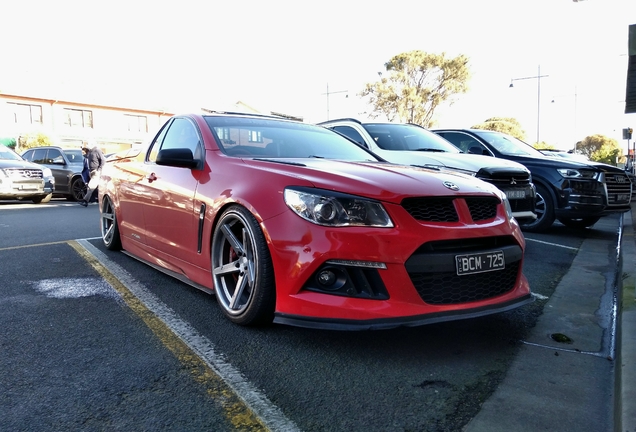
(556, 163)
(378, 180)
(18, 164)
(462, 161)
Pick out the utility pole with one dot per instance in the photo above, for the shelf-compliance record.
(334, 92)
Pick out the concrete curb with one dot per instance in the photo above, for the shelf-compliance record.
(626, 368)
(577, 386)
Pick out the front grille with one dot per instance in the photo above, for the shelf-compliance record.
(433, 270)
(619, 189)
(448, 288)
(442, 209)
(482, 208)
(504, 182)
(22, 173)
(431, 209)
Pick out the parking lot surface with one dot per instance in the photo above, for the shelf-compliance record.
(87, 347)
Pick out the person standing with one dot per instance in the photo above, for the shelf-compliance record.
(96, 161)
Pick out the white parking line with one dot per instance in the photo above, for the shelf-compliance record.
(552, 244)
(269, 414)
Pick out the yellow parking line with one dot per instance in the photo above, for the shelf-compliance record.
(33, 245)
(236, 411)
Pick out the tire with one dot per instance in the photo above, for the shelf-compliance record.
(579, 223)
(544, 209)
(242, 269)
(42, 199)
(110, 228)
(78, 190)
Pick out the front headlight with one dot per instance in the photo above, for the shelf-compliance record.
(329, 208)
(3, 174)
(46, 172)
(578, 173)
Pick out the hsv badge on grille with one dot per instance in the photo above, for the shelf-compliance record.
(451, 186)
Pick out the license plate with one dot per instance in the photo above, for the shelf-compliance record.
(480, 263)
(622, 197)
(516, 194)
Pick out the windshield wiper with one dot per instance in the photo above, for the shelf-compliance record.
(431, 150)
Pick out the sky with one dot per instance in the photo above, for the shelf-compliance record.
(312, 59)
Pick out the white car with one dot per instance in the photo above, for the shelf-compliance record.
(409, 144)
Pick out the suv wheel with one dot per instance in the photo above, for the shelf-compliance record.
(78, 189)
(545, 212)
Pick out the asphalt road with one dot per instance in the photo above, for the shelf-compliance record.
(95, 340)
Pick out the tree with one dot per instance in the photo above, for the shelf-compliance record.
(543, 146)
(600, 148)
(36, 139)
(505, 125)
(417, 83)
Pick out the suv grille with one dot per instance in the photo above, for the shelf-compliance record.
(619, 189)
(23, 173)
(443, 209)
(512, 184)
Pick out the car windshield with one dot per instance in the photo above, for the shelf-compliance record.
(509, 145)
(408, 137)
(8, 154)
(267, 138)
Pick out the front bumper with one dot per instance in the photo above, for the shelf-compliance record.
(23, 188)
(579, 199)
(408, 275)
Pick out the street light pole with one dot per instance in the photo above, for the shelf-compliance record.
(328, 93)
(538, 78)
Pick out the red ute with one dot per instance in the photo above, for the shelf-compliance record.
(293, 223)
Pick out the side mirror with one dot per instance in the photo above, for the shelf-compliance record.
(179, 157)
(478, 150)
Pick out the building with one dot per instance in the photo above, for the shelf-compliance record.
(69, 123)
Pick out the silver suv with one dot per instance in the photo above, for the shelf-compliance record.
(20, 179)
(409, 144)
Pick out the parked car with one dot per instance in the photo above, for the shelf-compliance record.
(66, 165)
(20, 179)
(576, 193)
(294, 223)
(411, 144)
(564, 154)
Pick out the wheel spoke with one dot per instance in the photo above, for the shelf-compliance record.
(238, 292)
(225, 269)
(231, 238)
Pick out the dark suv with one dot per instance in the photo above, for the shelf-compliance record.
(575, 193)
(409, 144)
(66, 165)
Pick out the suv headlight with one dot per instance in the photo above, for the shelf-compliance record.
(46, 172)
(578, 173)
(335, 209)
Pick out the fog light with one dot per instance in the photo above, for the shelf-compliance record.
(326, 278)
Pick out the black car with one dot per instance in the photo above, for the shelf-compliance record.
(576, 193)
(66, 165)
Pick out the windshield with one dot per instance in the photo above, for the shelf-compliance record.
(8, 154)
(508, 145)
(390, 136)
(267, 138)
